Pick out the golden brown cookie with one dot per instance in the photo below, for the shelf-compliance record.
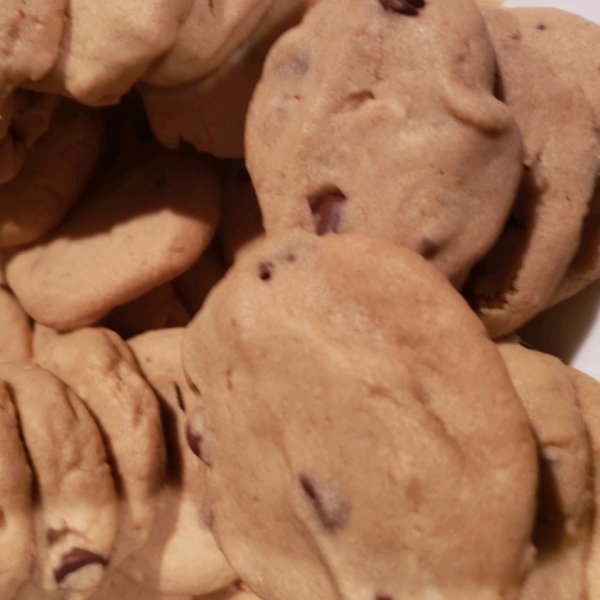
(571, 44)
(565, 501)
(241, 225)
(75, 496)
(382, 445)
(53, 176)
(588, 390)
(193, 286)
(16, 510)
(157, 309)
(181, 555)
(15, 329)
(518, 277)
(377, 119)
(99, 366)
(201, 89)
(142, 227)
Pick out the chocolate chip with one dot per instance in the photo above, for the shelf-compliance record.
(76, 559)
(194, 441)
(427, 247)
(403, 7)
(265, 271)
(327, 211)
(179, 397)
(332, 511)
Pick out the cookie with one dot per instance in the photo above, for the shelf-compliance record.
(157, 309)
(565, 502)
(142, 227)
(42, 335)
(241, 225)
(105, 48)
(75, 497)
(193, 286)
(29, 38)
(382, 445)
(24, 118)
(588, 390)
(181, 555)
(16, 510)
(203, 87)
(100, 368)
(518, 277)
(571, 45)
(358, 126)
(15, 330)
(53, 176)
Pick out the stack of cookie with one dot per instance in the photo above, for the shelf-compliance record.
(291, 368)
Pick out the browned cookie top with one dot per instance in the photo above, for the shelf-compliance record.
(360, 429)
(379, 117)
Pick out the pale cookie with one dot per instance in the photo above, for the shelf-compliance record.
(53, 176)
(75, 497)
(378, 117)
(42, 335)
(210, 112)
(30, 33)
(518, 277)
(572, 46)
(181, 555)
(565, 502)
(157, 309)
(135, 231)
(241, 225)
(107, 46)
(99, 366)
(362, 434)
(193, 286)
(15, 329)
(16, 511)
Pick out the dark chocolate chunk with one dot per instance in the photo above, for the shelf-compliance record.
(194, 441)
(265, 270)
(332, 511)
(403, 7)
(327, 212)
(76, 559)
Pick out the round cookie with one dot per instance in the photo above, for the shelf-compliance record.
(75, 498)
(203, 87)
(565, 502)
(241, 226)
(16, 511)
(157, 309)
(440, 157)
(384, 451)
(572, 46)
(181, 555)
(53, 176)
(140, 228)
(588, 390)
(518, 277)
(100, 368)
(15, 329)
(193, 286)
(106, 47)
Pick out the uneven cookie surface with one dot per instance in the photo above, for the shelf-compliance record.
(357, 393)
(370, 118)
